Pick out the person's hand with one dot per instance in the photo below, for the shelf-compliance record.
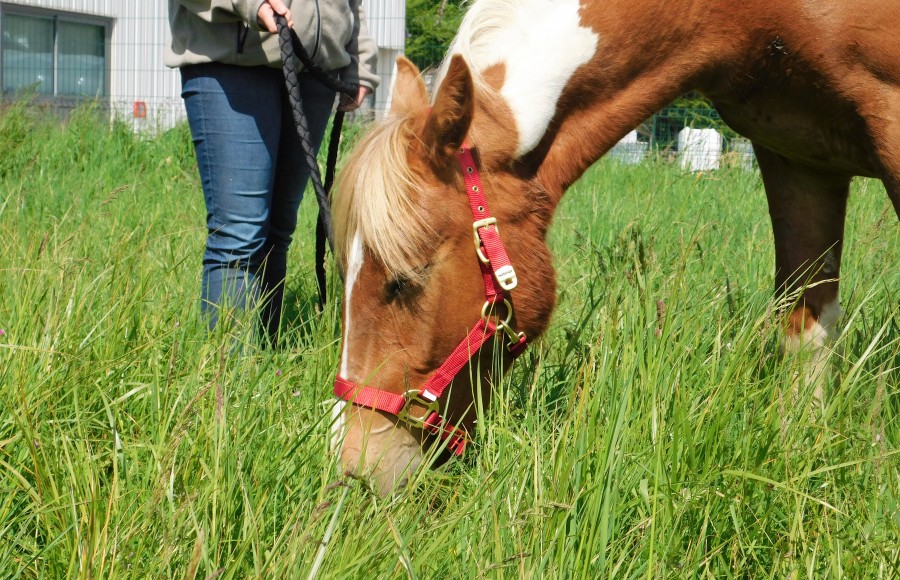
(267, 12)
(347, 104)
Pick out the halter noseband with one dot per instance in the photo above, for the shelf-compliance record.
(499, 277)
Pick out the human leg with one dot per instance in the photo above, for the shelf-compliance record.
(291, 177)
(235, 119)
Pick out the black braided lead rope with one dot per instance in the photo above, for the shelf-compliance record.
(290, 47)
(321, 75)
(321, 235)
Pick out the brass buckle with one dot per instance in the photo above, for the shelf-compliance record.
(415, 396)
(506, 275)
(503, 325)
(491, 221)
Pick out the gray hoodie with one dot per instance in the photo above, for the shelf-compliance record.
(334, 32)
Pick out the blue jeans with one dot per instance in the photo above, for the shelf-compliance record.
(253, 175)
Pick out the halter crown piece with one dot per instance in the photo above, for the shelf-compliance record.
(499, 277)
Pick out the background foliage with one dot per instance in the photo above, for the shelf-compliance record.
(431, 26)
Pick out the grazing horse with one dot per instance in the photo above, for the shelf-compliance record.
(532, 93)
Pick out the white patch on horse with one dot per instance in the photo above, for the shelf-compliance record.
(816, 341)
(354, 265)
(820, 333)
(541, 43)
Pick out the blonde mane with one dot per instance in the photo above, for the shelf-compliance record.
(373, 198)
(373, 193)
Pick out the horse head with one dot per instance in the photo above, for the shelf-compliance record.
(419, 289)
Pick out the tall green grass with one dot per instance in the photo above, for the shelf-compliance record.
(652, 433)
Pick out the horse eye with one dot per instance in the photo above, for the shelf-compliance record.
(405, 288)
(397, 287)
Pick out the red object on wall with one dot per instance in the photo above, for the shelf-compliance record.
(140, 109)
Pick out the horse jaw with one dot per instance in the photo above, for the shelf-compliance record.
(375, 448)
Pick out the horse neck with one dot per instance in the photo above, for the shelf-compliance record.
(647, 53)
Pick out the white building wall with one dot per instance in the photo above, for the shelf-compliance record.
(93, 7)
(138, 74)
(387, 22)
(139, 31)
(387, 25)
(138, 80)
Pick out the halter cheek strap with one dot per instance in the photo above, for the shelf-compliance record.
(499, 277)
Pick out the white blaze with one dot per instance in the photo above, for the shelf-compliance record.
(541, 43)
(354, 265)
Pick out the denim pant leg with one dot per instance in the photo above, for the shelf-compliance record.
(291, 177)
(252, 183)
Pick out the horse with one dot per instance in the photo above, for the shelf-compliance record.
(531, 93)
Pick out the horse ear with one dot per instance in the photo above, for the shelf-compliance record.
(451, 115)
(409, 89)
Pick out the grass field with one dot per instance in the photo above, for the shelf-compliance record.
(651, 433)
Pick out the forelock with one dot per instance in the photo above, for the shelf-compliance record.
(373, 196)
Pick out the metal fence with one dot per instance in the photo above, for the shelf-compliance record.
(696, 137)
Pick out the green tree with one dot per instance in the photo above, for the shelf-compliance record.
(431, 26)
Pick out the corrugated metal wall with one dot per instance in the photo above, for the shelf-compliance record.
(139, 31)
(137, 77)
(138, 73)
(94, 7)
(387, 24)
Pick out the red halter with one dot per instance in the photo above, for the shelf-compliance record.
(499, 276)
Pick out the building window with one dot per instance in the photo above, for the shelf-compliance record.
(53, 55)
